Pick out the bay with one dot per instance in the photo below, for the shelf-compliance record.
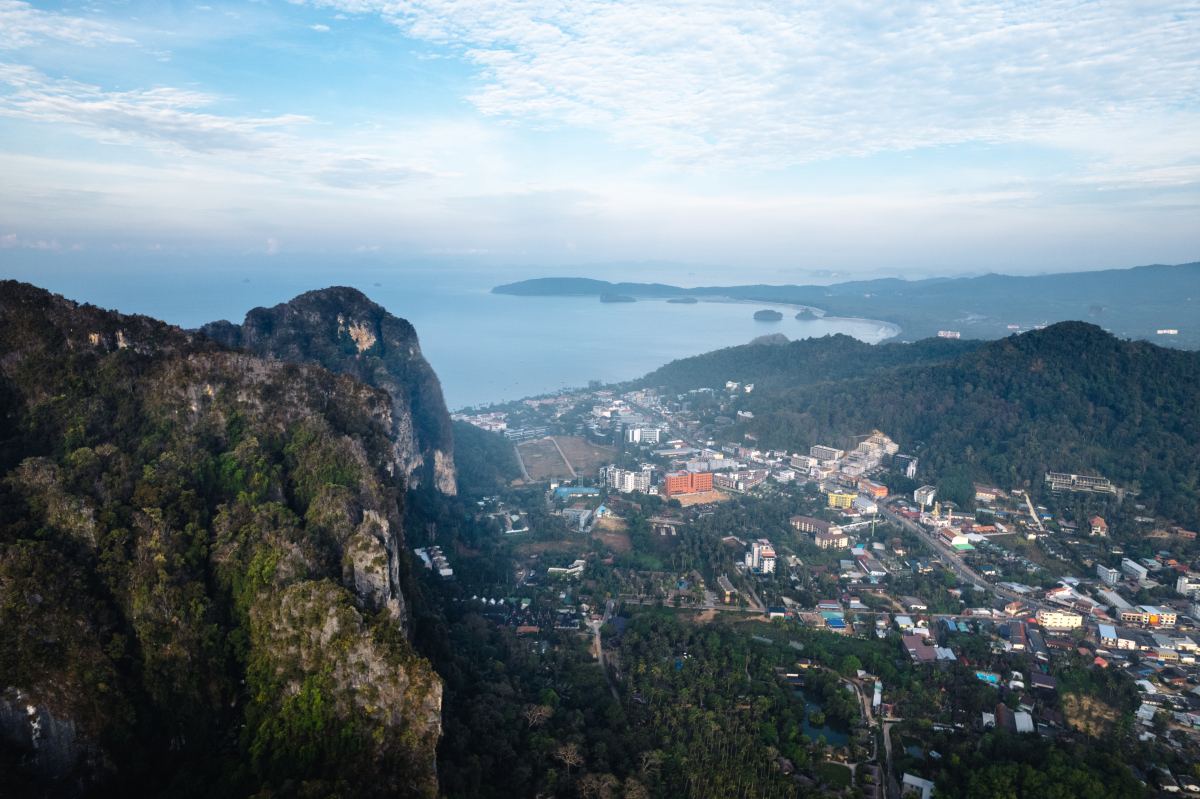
(484, 347)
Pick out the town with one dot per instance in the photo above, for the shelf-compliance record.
(841, 543)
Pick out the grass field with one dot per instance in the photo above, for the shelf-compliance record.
(542, 460)
(585, 457)
(838, 776)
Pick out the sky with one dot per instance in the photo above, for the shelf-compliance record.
(759, 139)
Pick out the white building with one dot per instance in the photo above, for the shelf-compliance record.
(822, 453)
(761, 557)
(1108, 576)
(1134, 570)
(1188, 585)
(924, 495)
(865, 506)
(1059, 620)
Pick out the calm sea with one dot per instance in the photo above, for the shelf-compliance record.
(485, 347)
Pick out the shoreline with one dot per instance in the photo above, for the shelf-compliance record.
(820, 314)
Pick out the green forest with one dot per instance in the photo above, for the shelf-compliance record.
(798, 363)
(1070, 398)
(191, 564)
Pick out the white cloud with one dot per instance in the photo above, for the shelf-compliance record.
(368, 171)
(321, 28)
(772, 83)
(159, 116)
(22, 25)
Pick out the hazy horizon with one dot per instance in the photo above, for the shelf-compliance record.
(764, 137)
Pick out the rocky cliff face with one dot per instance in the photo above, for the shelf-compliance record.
(200, 560)
(340, 329)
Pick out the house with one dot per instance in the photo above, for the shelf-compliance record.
(914, 784)
(726, 588)
(1098, 526)
(912, 604)
(986, 494)
(918, 650)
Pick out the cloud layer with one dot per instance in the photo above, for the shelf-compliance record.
(777, 83)
(22, 25)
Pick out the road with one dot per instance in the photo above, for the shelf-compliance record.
(1033, 515)
(596, 625)
(955, 561)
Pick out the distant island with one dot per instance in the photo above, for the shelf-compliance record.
(685, 300)
(807, 315)
(767, 315)
(616, 298)
(1141, 301)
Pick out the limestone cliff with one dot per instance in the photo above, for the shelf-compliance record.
(342, 330)
(200, 563)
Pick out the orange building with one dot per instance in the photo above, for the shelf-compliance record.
(687, 483)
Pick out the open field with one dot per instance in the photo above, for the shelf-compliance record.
(700, 498)
(1088, 712)
(538, 547)
(542, 460)
(617, 542)
(585, 457)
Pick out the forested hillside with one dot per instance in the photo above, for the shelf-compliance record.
(802, 362)
(1068, 398)
(200, 569)
(340, 329)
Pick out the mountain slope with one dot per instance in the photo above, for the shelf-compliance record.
(800, 362)
(201, 557)
(341, 330)
(1069, 398)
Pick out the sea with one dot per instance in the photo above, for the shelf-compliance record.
(486, 348)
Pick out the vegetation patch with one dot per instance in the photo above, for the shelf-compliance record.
(835, 775)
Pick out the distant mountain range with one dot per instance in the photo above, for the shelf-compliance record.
(1129, 303)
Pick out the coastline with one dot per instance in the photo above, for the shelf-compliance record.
(895, 329)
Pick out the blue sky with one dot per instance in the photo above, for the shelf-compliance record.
(769, 136)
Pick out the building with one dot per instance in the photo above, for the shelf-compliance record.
(1098, 525)
(873, 490)
(840, 500)
(865, 506)
(986, 494)
(1111, 576)
(1188, 585)
(825, 453)
(924, 495)
(578, 516)
(1134, 570)
(911, 783)
(912, 604)
(905, 464)
(687, 483)
(1058, 620)
(761, 557)
(832, 539)
(948, 334)
(807, 524)
(727, 588)
(642, 435)
(1076, 482)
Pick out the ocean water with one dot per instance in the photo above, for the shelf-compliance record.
(484, 347)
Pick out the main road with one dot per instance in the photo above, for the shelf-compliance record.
(954, 560)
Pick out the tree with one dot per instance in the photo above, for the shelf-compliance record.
(537, 714)
(570, 756)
